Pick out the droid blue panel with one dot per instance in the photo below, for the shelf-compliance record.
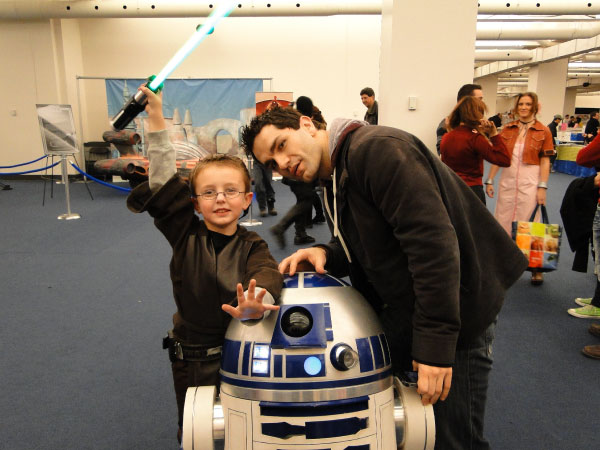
(231, 353)
(314, 409)
(317, 280)
(365, 356)
(246, 358)
(278, 366)
(290, 282)
(377, 352)
(386, 350)
(286, 336)
(303, 366)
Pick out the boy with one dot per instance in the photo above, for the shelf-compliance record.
(209, 256)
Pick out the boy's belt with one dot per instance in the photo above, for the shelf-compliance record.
(179, 351)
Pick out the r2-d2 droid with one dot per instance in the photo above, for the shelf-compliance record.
(315, 375)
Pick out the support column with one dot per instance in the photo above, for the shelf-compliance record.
(570, 96)
(427, 54)
(549, 82)
(489, 86)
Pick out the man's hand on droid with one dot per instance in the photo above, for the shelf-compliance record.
(303, 259)
(250, 306)
(433, 383)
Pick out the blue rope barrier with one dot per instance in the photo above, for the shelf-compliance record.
(23, 164)
(30, 171)
(99, 181)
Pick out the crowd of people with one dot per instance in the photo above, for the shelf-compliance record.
(526, 150)
(410, 228)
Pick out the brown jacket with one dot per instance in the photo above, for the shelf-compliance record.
(538, 141)
(203, 280)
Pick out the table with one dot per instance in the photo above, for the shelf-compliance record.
(565, 161)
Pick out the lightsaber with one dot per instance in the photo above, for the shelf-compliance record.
(137, 103)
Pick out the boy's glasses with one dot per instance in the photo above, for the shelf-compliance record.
(212, 195)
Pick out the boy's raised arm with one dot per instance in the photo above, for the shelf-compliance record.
(161, 153)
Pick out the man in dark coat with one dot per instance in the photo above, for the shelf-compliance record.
(591, 128)
(416, 242)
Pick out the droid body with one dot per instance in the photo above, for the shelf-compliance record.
(315, 375)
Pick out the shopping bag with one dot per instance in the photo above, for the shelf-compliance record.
(539, 242)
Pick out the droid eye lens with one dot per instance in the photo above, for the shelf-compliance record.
(343, 357)
(296, 322)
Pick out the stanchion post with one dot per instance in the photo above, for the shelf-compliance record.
(250, 222)
(69, 215)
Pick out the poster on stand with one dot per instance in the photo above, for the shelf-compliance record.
(58, 129)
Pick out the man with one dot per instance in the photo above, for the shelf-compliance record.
(265, 194)
(553, 127)
(416, 242)
(367, 96)
(554, 130)
(591, 129)
(465, 90)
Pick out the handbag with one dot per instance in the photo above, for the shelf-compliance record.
(539, 242)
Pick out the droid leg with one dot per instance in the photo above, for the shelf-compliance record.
(203, 421)
(415, 423)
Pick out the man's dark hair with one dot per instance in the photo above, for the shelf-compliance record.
(368, 91)
(467, 90)
(279, 117)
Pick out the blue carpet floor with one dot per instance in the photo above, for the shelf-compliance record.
(86, 302)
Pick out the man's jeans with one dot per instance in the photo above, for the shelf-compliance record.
(459, 419)
(265, 195)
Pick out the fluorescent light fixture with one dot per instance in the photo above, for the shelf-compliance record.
(588, 65)
(506, 44)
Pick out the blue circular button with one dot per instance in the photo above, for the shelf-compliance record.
(312, 365)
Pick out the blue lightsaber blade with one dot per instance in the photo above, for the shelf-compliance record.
(138, 101)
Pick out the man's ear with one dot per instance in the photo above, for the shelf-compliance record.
(307, 124)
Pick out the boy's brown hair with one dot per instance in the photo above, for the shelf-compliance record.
(220, 160)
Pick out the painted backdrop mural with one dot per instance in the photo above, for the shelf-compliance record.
(203, 116)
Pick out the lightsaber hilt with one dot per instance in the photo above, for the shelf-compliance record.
(136, 104)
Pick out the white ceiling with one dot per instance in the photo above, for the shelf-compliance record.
(512, 35)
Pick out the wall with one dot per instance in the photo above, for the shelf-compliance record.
(28, 77)
(588, 101)
(327, 58)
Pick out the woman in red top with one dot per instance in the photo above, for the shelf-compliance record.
(471, 140)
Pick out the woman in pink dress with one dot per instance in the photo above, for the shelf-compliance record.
(523, 185)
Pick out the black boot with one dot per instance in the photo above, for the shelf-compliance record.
(303, 238)
(272, 210)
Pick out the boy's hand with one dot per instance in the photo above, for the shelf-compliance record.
(156, 121)
(251, 307)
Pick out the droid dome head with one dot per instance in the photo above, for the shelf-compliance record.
(324, 343)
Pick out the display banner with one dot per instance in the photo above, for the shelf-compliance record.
(205, 99)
